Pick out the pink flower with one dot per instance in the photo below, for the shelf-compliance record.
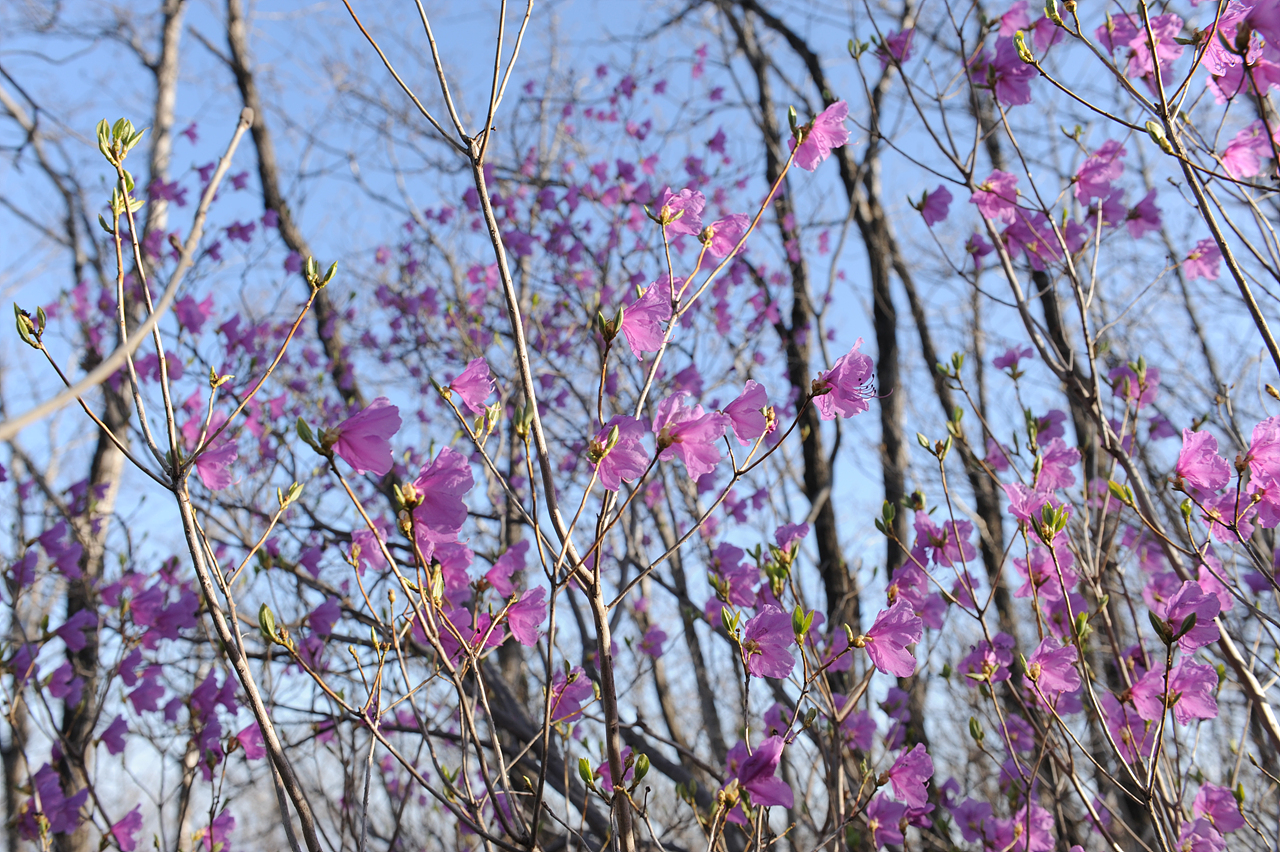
(896, 48)
(1093, 179)
(746, 413)
(687, 431)
(908, 776)
(689, 204)
(1041, 572)
(1218, 805)
(642, 319)
(124, 832)
(626, 460)
(1200, 836)
(524, 616)
(725, 233)
(1246, 152)
(756, 776)
(1056, 461)
(213, 465)
(651, 642)
(1199, 464)
(988, 662)
(886, 642)
(250, 739)
(1190, 693)
(997, 197)
(1132, 734)
(474, 384)
(884, 821)
(766, 643)
(1052, 669)
(1144, 217)
(363, 440)
(499, 576)
(1188, 600)
(934, 205)
(113, 736)
(1024, 503)
(1010, 358)
(825, 132)
(1009, 77)
(568, 693)
(191, 314)
(440, 486)
(846, 385)
(1202, 262)
(1126, 384)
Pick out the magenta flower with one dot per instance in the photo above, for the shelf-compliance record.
(1024, 503)
(884, 821)
(1190, 693)
(1202, 262)
(1007, 75)
(1052, 669)
(746, 413)
(499, 576)
(1093, 179)
(1125, 384)
(1132, 734)
(1041, 573)
(1010, 358)
(997, 197)
(1218, 805)
(1200, 836)
(845, 388)
(250, 739)
(1144, 217)
(723, 234)
(687, 431)
(191, 314)
(896, 48)
(626, 460)
(113, 736)
(440, 486)
(524, 616)
(988, 661)
(1246, 152)
(886, 642)
(689, 204)
(766, 643)
(474, 384)
(1188, 600)
(908, 776)
(1056, 461)
(125, 831)
(825, 132)
(1199, 463)
(1264, 454)
(642, 319)
(756, 776)
(363, 440)
(568, 693)
(934, 205)
(213, 465)
(652, 641)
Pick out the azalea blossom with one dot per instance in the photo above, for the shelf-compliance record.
(363, 440)
(746, 413)
(681, 211)
(845, 388)
(642, 319)
(474, 384)
(1202, 262)
(997, 197)
(1199, 464)
(826, 131)
(685, 430)
(1190, 693)
(934, 205)
(1052, 669)
(909, 774)
(624, 461)
(766, 643)
(886, 642)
